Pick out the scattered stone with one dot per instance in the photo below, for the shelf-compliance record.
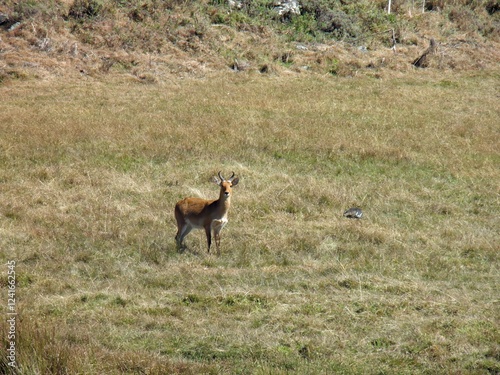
(353, 213)
(14, 26)
(286, 8)
(45, 44)
(240, 65)
(235, 4)
(3, 18)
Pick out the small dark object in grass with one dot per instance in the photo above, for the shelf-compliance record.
(353, 213)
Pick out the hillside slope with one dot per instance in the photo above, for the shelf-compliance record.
(151, 39)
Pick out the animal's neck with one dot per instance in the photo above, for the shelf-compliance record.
(224, 201)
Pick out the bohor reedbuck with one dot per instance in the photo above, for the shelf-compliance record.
(211, 215)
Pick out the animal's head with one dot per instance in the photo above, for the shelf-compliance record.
(226, 185)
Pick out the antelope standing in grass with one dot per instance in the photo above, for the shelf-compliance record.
(201, 213)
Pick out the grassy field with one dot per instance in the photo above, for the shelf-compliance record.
(91, 171)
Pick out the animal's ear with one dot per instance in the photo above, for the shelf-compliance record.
(235, 181)
(215, 180)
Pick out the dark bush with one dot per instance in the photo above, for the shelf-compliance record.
(492, 7)
(31, 9)
(332, 18)
(338, 23)
(82, 9)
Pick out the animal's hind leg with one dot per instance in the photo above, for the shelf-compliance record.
(182, 232)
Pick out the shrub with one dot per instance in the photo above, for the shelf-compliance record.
(305, 27)
(30, 9)
(81, 9)
(338, 23)
(473, 19)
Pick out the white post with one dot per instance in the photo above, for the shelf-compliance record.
(389, 7)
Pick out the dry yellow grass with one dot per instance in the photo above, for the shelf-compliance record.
(91, 171)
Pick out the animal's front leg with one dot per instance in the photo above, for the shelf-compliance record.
(209, 238)
(217, 226)
(217, 241)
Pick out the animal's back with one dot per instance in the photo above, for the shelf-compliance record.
(191, 207)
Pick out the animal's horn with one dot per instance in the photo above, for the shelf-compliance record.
(220, 176)
(231, 178)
